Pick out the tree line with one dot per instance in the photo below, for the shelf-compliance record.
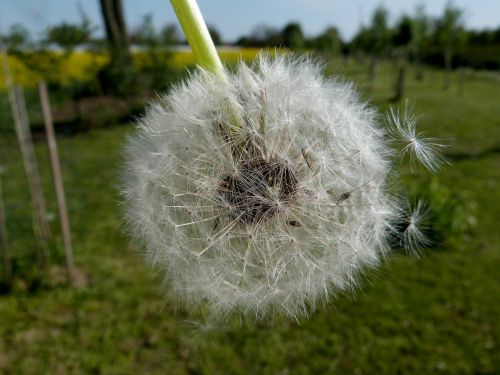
(417, 38)
(442, 40)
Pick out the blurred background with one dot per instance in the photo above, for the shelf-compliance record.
(82, 301)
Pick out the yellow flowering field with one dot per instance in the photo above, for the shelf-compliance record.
(181, 59)
(60, 68)
(84, 65)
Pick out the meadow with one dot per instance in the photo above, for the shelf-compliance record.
(437, 313)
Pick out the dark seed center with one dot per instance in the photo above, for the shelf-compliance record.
(258, 191)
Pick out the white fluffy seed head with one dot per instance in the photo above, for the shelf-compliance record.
(273, 212)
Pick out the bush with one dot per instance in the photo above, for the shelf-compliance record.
(451, 214)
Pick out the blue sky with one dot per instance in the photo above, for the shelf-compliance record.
(236, 17)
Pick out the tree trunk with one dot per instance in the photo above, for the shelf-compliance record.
(461, 80)
(419, 74)
(114, 22)
(77, 110)
(373, 72)
(399, 90)
(447, 68)
(117, 76)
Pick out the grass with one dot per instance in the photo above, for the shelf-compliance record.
(436, 314)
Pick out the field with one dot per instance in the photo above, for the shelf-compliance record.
(435, 314)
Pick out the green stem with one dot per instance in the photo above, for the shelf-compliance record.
(206, 57)
(198, 37)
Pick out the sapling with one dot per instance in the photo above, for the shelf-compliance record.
(263, 190)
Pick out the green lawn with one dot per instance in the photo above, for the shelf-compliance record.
(436, 314)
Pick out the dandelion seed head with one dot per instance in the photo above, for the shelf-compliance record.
(281, 216)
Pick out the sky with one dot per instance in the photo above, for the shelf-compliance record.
(233, 18)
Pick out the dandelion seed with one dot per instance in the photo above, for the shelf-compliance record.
(403, 128)
(413, 237)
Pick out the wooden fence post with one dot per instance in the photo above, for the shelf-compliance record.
(4, 244)
(30, 164)
(58, 182)
(21, 124)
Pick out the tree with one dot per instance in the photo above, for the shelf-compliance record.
(154, 68)
(215, 35)
(69, 36)
(170, 35)
(374, 39)
(380, 39)
(401, 39)
(292, 35)
(403, 32)
(33, 55)
(450, 33)
(328, 41)
(381, 34)
(262, 36)
(17, 40)
(266, 36)
(114, 22)
(145, 34)
(420, 27)
(117, 76)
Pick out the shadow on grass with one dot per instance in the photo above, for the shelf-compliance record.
(458, 156)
